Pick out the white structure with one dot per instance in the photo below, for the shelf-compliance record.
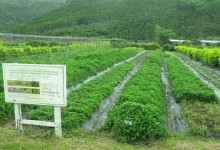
(36, 84)
(205, 42)
(176, 41)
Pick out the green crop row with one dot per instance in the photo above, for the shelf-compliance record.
(12, 51)
(209, 56)
(79, 66)
(139, 112)
(86, 99)
(185, 85)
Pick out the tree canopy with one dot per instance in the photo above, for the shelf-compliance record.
(129, 19)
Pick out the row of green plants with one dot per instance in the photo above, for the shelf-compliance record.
(139, 112)
(123, 43)
(86, 99)
(80, 65)
(185, 85)
(208, 55)
(206, 73)
(31, 48)
(147, 46)
(198, 100)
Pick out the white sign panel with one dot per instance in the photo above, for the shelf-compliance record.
(35, 84)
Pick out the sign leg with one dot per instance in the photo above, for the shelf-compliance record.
(18, 118)
(57, 120)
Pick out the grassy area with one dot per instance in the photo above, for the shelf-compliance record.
(77, 140)
(202, 117)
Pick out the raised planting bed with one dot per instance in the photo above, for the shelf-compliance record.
(80, 65)
(139, 113)
(198, 100)
(185, 85)
(86, 99)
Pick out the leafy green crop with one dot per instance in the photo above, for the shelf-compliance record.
(139, 113)
(185, 85)
(81, 59)
(86, 99)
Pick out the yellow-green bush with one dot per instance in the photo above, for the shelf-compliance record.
(209, 56)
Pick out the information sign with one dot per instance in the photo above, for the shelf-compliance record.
(35, 84)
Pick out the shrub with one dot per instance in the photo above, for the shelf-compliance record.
(37, 43)
(119, 43)
(168, 47)
(207, 55)
(152, 46)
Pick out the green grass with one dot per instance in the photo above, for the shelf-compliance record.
(75, 139)
(203, 118)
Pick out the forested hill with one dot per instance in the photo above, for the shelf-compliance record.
(15, 12)
(130, 19)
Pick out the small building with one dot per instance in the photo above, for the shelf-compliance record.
(209, 42)
(174, 41)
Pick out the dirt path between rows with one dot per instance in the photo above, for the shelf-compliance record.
(175, 121)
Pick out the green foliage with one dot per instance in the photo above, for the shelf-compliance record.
(202, 117)
(129, 19)
(85, 100)
(119, 43)
(151, 46)
(163, 35)
(81, 59)
(16, 12)
(168, 47)
(148, 46)
(139, 112)
(207, 55)
(185, 85)
(37, 43)
(6, 110)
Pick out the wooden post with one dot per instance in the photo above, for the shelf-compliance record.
(57, 120)
(18, 118)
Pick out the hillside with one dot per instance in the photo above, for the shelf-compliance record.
(129, 19)
(15, 12)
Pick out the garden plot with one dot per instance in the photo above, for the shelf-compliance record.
(214, 88)
(139, 112)
(209, 73)
(98, 118)
(198, 100)
(102, 72)
(80, 65)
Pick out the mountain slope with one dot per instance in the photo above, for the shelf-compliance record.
(129, 19)
(14, 12)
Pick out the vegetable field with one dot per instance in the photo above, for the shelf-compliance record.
(140, 112)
